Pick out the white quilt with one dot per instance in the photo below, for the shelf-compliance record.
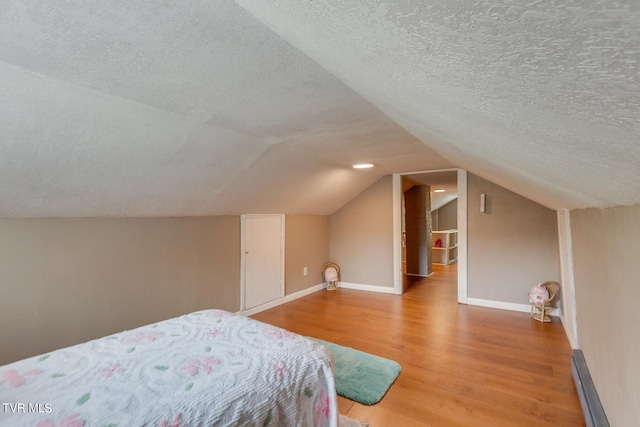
(209, 368)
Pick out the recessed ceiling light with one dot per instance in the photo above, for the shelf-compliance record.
(438, 191)
(362, 165)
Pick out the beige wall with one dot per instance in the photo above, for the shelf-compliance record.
(511, 247)
(306, 245)
(446, 218)
(362, 236)
(65, 281)
(606, 261)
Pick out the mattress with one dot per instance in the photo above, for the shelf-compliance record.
(208, 368)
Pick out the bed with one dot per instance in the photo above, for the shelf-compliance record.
(208, 368)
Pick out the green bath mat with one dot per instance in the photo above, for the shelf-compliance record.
(361, 376)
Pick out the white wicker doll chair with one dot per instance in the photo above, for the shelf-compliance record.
(540, 309)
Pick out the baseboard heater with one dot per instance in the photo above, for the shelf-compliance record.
(594, 415)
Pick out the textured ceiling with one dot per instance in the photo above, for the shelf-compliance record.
(445, 181)
(146, 108)
(542, 98)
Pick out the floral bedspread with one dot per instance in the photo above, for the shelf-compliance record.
(209, 368)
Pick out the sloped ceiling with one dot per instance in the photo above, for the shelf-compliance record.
(542, 98)
(146, 108)
(445, 182)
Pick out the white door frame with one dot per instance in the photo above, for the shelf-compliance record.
(569, 315)
(462, 231)
(243, 252)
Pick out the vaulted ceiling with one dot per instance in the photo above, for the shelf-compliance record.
(147, 108)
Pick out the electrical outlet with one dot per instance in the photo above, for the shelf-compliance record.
(304, 271)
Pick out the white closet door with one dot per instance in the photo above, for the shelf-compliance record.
(263, 255)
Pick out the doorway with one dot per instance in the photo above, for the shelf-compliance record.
(262, 260)
(454, 181)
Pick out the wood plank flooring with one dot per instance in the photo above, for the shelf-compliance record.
(461, 365)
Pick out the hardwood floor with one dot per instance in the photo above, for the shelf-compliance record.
(461, 365)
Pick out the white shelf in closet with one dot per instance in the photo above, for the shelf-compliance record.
(447, 253)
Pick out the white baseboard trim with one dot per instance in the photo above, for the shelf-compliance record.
(568, 332)
(280, 301)
(501, 305)
(312, 289)
(303, 293)
(523, 308)
(369, 288)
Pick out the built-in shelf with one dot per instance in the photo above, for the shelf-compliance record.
(447, 253)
